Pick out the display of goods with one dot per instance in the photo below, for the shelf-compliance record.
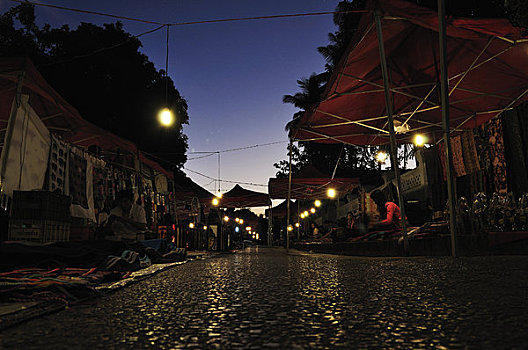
(42, 231)
(40, 205)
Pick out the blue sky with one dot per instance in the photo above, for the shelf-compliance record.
(233, 74)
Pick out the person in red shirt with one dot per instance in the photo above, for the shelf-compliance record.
(390, 215)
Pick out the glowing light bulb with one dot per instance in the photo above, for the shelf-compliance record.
(165, 117)
(331, 193)
(317, 203)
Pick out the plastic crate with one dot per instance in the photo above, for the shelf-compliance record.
(40, 205)
(42, 231)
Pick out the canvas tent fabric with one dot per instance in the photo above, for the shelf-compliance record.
(309, 183)
(487, 74)
(26, 160)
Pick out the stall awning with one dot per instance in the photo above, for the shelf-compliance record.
(487, 75)
(58, 116)
(309, 183)
(239, 197)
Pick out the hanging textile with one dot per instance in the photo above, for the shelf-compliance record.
(435, 177)
(458, 159)
(470, 152)
(83, 205)
(77, 180)
(26, 156)
(498, 161)
(515, 147)
(58, 157)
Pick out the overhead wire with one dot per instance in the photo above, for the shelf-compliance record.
(219, 20)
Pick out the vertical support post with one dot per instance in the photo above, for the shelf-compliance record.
(445, 124)
(10, 128)
(393, 148)
(289, 195)
(270, 226)
(298, 215)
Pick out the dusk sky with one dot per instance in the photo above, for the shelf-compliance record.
(233, 75)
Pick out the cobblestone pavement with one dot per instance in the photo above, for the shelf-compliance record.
(263, 298)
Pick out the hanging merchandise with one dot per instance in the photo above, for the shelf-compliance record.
(498, 161)
(77, 180)
(57, 165)
(470, 152)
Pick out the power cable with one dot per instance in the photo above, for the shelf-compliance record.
(187, 23)
(228, 181)
(98, 51)
(87, 12)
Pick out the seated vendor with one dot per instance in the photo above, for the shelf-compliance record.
(390, 216)
(127, 219)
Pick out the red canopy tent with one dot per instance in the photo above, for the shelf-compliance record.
(309, 183)
(394, 78)
(487, 75)
(280, 210)
(19, 74)
(239, 197)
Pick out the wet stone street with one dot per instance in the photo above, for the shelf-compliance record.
(263, 298)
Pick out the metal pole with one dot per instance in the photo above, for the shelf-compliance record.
(445, 124)
(298, 215)
(289, 197)
(11, 127)
(393, 148)
(270, 226)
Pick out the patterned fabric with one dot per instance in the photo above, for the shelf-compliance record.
(498, 161)
(470, 152)
(458, 158)
(57, 165)
(78, 180)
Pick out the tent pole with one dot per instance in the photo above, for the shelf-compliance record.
(445, 124)
(298, 215)
(289, 195)
(393, 148)
(270, 226)
(11, 127)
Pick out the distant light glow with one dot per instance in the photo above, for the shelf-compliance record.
(302, 215)
(241, 221)
(290, 228)
(381, 157)
(166, 117)
(312, 210)
(331, 193)
(237, 229)
(297, 224)
(317, 203)
(248, 228)
(191, 225)
(419, 140)
(205, 228)
(215, 201)
(226, 218)
(306, 213)
(218, 194)
(237, 219)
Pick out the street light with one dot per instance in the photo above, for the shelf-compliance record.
(317, 203)
(331, 193)
(166, 117)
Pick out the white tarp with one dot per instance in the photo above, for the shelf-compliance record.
(28, 151)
